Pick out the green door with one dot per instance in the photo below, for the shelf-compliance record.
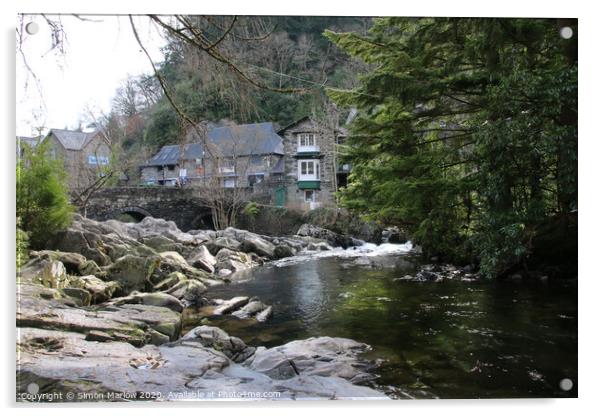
(280, 196)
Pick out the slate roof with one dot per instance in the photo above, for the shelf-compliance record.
(228, 141)
(170, 155)
(246, 139)
(72, 140)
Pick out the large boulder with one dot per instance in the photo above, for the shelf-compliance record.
(202, 259)
(171, 261)
(256, 244)
(54, 275)
(189, 291)
(220, 243)
(233, 261)
(334, 239)
(73, 262)
(323, 356)
(100, 290)
(132, 272)
(217, 339)
(281, 251)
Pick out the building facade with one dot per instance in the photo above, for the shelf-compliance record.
(297, 166)
(312, 165)
(86, 155)
(237, 156)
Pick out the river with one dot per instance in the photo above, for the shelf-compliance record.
(454, 339)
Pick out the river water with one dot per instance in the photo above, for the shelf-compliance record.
(454, 339)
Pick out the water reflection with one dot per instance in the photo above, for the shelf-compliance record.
(450, 339)
(307, 292)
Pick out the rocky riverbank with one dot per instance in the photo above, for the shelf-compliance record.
(101, 314)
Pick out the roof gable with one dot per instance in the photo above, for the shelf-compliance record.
(73, 140)
(293, 124)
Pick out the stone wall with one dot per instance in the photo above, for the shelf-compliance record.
(181, 205)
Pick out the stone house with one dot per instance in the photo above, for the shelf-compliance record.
(313, 172)
(240, 156)
(86, 155)
(295, 167)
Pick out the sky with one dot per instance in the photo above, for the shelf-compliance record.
(99, 56)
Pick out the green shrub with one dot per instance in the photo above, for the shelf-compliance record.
(42, 202)
(22, 245)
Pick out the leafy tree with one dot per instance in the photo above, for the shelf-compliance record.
(467, 132)
(42, 202)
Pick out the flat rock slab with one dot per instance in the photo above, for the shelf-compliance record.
(64, 362)
(39, 307)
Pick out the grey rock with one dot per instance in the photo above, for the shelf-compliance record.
(217, 339)
(256, 244)
(281, 251)
(264, 315)
(41, 307)
(250, 309)
(202, 259)
(189, 291)
(100, 290)
(228, 306)
(54, 275)
(323, 356)
(161, 299)
(219, 243)
(67, 362)
(81, 296)
(132, 272)
(334, 239)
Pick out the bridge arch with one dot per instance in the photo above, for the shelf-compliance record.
(136, 213)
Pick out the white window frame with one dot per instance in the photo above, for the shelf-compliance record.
(311, 192)
(306, 139)
(303, 169)
(307, 142)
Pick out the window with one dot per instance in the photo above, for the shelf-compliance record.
(306, 139)
(229, 183)
(310, 195)
(309, 170)
(98, 160)
(226, 165)
(253, 179)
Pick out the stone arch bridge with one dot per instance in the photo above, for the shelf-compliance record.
(181, 205)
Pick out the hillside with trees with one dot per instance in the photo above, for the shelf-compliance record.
(289, 55)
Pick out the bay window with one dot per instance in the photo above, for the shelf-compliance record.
(309, 170)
